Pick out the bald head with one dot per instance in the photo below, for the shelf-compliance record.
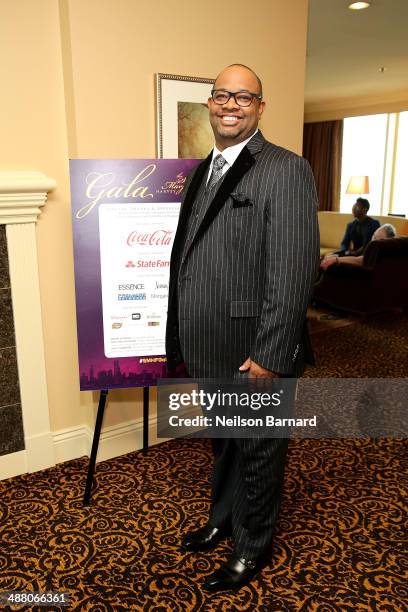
(241, 68)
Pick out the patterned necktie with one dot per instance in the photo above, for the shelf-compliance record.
(216, 173)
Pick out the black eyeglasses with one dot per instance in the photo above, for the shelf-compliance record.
(242, 98)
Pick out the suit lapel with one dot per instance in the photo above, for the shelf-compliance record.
(242, 164)
(192, 190)
(187, 206)
(256, 143)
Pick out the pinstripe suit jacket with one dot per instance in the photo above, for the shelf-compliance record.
(242, 284)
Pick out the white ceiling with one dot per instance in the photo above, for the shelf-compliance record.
(346, 49)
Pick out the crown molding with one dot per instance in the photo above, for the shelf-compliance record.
(340, 108)
(22, 194)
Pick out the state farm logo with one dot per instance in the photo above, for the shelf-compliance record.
(159, 237)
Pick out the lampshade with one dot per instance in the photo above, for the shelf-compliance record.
(358, 184)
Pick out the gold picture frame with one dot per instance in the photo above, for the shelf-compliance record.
(176, 94)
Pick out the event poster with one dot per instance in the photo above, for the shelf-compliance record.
(125, 215)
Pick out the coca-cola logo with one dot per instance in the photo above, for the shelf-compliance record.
(157, 238)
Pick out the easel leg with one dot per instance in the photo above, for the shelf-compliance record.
(145, 418)
(95, 443)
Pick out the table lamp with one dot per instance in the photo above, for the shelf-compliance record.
(358, 184)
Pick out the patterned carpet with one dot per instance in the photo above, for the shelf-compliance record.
(323, 319)
(340, 542)
(372, 347)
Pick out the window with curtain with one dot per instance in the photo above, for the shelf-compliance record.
(377, 146)
(322, 143)
(399, 195)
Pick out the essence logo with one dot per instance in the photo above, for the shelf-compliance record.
(131, 287)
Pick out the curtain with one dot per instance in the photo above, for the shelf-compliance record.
(322, 144)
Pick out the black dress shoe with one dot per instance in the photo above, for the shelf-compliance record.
(205, 538)
(233, 574)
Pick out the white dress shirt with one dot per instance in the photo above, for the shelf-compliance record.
(230, 154)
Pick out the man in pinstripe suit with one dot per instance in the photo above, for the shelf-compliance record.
(242, 267)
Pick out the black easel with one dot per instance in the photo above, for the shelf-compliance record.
(145, 418)
(97, 434)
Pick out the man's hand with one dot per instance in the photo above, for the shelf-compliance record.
(256, 371)
(329, 261)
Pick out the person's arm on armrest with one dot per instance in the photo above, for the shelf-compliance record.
(335, 259)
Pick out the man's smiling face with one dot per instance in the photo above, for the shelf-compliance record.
(231, 123)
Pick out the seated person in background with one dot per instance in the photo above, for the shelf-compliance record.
(360, 231)
(385, 231)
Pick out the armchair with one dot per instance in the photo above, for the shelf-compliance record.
(379, 284)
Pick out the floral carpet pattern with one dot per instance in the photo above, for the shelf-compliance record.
(340, 542)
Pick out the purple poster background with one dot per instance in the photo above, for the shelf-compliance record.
(102, 181)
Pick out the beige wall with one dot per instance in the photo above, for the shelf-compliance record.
(117, 46)
(33, 137)
(79, 82)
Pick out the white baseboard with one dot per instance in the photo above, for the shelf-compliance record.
(37, 455)
(118, 440)
(73, 443)
(115, 440)
(40, 452)
(13, 464)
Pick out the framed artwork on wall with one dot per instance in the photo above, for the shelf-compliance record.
(183, 128)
